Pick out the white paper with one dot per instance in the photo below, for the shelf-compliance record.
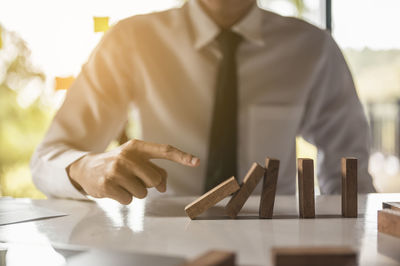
(12, 211)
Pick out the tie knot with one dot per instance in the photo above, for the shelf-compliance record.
(228, 40)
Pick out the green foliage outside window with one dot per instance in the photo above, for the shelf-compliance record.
(21, 128)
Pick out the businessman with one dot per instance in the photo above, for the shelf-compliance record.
(221, 79)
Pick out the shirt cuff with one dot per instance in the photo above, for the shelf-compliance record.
(50, 174)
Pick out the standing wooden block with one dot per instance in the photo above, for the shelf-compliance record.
(250, 182)
(349, 187)
(267, 199)
(314, 256)
(306, 188)
(389, 222)
(212, 197)
(391, 205)
(214, 258)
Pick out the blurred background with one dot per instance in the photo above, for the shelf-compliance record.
(44, 43)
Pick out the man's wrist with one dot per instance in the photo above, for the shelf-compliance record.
(73, 174)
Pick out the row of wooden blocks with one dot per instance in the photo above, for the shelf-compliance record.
(270, 177)
(389, 219)
(286, 256)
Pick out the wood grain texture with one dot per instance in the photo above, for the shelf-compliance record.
(389, 222)
(306, 188)
(391, 205)
(212, 197)
(349, 188)
(250, 182)
(267, 199)
(314, 256)
(214, 258)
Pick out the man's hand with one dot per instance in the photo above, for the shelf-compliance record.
(127, 171)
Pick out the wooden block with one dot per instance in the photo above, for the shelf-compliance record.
(250, 182)
(306, 188)
(212, 197)
(389, 222)
(214, 258)
(267, 199)
(391, 205)
(349, 188)
(313, 256)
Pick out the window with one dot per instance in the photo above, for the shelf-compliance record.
(367, 32)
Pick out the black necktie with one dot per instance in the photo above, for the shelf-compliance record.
(222, 154)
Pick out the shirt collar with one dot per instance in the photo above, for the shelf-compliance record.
(206, 30)
(250, 27)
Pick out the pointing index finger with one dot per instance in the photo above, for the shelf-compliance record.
(171, 153)
(168, 152)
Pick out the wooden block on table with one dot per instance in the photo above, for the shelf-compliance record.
(250, 182)
(313, 256)
(212, 197)
(391, 205)
(349, 188)
(214, 258)
(389, 222)
(267, 199)
(306, 188)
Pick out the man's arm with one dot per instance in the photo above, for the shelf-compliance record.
(70, 162)
(335, 122)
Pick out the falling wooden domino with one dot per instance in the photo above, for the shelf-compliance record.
(214, 258)
(313, 256)
(250, 182)
(349, 187)
(267, 199)
(306, 188)
(212, 197)
(391, 205)
(389, 222)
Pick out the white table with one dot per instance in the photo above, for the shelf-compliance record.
(160, 226)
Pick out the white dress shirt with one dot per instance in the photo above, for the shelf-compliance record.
(293, 80)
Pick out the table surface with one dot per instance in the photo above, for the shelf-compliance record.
(159, 226)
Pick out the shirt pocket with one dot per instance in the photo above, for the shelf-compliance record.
(272, 132)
